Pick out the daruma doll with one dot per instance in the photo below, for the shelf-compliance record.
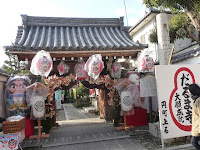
(15, 96)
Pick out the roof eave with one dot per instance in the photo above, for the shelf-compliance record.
(148, 15)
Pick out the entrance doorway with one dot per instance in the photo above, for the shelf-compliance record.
(79, 104)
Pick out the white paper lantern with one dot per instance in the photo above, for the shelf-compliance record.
(126, 101)
(38, 106)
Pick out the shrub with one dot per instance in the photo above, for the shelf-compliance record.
(82, 102)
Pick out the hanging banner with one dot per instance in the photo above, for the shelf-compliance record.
(148, 86)
(174, 101)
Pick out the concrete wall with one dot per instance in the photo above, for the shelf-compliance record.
(3, 80)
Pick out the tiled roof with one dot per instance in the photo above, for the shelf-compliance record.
(68, 34)
(186, 55)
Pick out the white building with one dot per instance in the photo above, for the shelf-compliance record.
(185, 50)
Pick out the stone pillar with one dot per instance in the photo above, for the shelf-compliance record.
(164, 50)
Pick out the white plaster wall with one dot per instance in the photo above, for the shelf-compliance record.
(146, 30)
(3, 80)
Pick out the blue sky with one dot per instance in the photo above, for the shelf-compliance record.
(11, 10)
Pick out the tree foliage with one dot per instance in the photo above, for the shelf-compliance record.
(82, 90)
(13, 66)
(187, 18)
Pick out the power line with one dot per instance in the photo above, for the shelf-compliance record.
(126, 12)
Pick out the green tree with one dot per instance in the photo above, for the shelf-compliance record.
(13, 66)
(82, 90)
(186, 20)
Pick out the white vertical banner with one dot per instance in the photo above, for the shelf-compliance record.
(174, 101)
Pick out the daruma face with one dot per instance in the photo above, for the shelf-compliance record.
(12, 144)
(17, 87)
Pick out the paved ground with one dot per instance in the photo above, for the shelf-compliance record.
(80, 130)
(113, 144)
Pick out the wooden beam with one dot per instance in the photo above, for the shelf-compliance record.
(59, 54)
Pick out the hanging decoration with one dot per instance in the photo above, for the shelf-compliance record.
(146, 64)
(116, 70)
(126, 101)
(36, 94)
(63, 68)
(81, 74)
(41, 64)
(15, 96)
(94, 66)
(54, 82)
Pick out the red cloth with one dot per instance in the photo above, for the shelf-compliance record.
(139, 118)
(29, 130)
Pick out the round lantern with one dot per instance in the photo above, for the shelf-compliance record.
(36, 93)
(38, 106)
(41, 64)
(126, 101)
(63, 68)
(147, 64)
(80, 72)
(94, 66)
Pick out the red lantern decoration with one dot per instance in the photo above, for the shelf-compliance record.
(80, 72)
(147, 64)
(94, 66)
(43, 64)
(63, 68)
